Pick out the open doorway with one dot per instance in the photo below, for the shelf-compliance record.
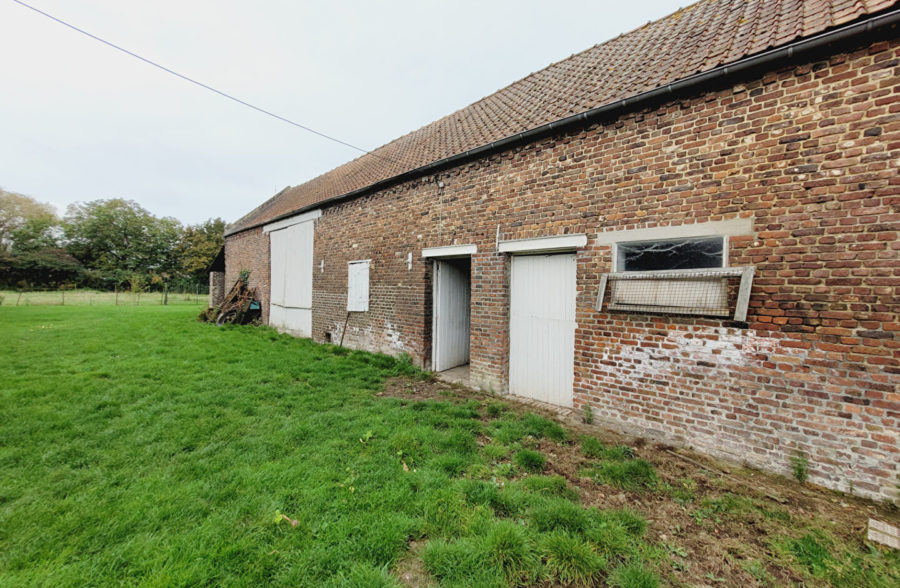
(451, 317)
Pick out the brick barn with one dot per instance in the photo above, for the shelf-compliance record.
(691, 228)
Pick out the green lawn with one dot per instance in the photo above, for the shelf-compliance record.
(139, 446)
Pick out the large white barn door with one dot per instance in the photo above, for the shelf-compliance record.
(542, 327)
(290, 307)
(451, 315)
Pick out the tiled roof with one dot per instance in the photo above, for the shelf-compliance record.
(698, 38)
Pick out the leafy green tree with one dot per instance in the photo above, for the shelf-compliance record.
(30, 253)
(106, 243)
(47, 266)
(26, 224)
(199, 245)
(121, 239)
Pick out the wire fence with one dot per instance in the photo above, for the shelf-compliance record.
(198, 295)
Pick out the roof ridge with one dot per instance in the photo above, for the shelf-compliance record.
(650, 56)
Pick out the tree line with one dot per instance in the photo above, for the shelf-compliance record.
(103, 244)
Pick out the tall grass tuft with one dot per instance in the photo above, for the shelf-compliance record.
(571, 561)
(633, 576)
(531, 461)
(559, 515)
(550, 486)
(510, 548)
(635, 475)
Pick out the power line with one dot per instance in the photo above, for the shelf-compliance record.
(195, 82)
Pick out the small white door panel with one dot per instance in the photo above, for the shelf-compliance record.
(542, 327)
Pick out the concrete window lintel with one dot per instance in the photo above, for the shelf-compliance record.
(729, 228)
(544, 244)
(450, 251)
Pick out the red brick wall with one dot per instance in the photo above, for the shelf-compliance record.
(249, 250)
(810, 154)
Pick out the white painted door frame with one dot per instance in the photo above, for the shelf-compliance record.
(450, 315)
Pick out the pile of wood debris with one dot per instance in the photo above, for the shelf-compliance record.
(240, 307)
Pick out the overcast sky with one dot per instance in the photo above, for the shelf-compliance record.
(80, 121)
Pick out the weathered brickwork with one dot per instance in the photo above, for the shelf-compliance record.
(810, 153)
(249, 251)
(216, 288)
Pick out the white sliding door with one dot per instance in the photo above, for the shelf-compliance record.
(290, 307)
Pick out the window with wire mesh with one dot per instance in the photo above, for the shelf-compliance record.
(673, 276)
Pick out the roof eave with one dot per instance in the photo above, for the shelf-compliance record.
(793, 50)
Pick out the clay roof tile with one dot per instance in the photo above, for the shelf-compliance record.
(700, 37)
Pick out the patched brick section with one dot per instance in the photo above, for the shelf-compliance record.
(731, 393)
(810, 153)
(489, 342)
(249, 250)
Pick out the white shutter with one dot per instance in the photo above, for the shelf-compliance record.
(358, 286)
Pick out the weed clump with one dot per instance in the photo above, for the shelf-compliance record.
(592, 447)
(550, 486)
(811, 553)
(444, 513)
(635, 475)
(509, 502)
(495, 409)
(571, 561)
(511, 549)
(451, 464)
(479, 492)
(800, 466)
(629, 520)
(633, 576)
(538, 427)
(531, 461)
(461, 562)
(407, 446)
(365, 576)
(587, 414)
(494, 451)
(560, 515)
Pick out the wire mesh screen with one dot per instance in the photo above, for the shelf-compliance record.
(719, 292)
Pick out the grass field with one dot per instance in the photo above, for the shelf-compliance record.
(139, 446)
(84, 297)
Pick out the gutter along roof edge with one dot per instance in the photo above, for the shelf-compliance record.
(794, 50)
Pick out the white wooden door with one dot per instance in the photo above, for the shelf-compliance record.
(291, 253)
(542, 327)
(450, 334)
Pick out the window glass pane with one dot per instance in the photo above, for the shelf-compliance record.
(668, 255)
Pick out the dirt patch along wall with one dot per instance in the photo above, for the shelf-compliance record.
(809, 154)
